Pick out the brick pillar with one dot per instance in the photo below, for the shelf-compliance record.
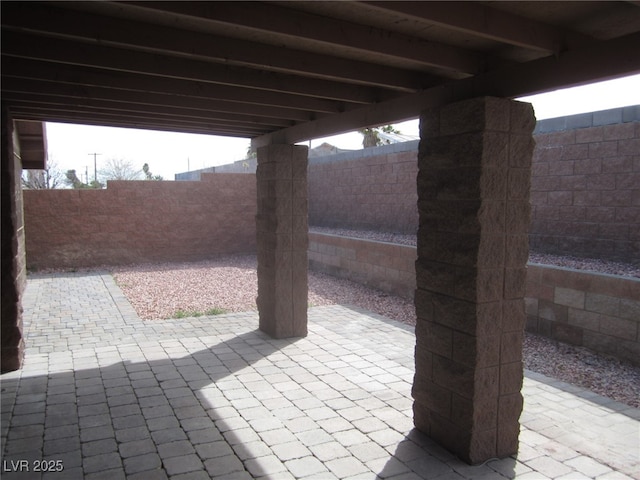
(282, 240)
(473, 199)
(13, 276)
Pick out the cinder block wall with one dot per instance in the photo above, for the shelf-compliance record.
(141, 221)
(585, 188)
(601, 312)
(386, 266)
(370, 189)
(585, 191)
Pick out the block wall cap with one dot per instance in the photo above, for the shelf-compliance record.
(586, 120)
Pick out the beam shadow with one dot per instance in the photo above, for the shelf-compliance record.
(242, 408)
(125, 418)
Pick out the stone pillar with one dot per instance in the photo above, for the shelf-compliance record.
(13, 276)
(282, 240)
(473, 199)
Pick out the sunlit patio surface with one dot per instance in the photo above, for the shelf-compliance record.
(105, 395)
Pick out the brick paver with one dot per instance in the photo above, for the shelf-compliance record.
(108, 395)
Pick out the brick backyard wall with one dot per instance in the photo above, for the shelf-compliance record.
(585, 190)
(141, 221)
(370, 189)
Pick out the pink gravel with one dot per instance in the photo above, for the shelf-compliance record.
(158, 291)
(230, 283)
(604, 375)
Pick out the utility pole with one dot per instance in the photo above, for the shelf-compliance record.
(95, 166)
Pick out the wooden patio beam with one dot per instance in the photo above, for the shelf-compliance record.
(605, 60)
(319, 31)
(487, 22)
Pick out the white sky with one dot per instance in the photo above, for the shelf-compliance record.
(72, 146)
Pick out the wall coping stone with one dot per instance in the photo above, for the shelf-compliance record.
(586, 120)
(193, 175)
(311, 232)
(367, 152)
(585, 272)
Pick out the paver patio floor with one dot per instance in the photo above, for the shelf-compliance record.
(105, 395)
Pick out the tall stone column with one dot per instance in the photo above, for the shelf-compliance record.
(13, 251)
(473, 200)
(282, 240)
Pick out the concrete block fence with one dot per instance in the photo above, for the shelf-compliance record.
(140, 222)
(370, 189)
(585, 186)
(597, 311)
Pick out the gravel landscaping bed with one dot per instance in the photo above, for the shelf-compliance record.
(230, 284)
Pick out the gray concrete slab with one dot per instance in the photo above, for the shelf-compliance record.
(104, 394)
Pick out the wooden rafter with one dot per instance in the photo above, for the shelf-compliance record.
(279, 23)
(290, 71)
(56, 50)
(480, 20)
(154, 39)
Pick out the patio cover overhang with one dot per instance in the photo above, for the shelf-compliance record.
(289, 71)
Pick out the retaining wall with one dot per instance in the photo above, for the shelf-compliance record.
(141, 221)
(385, 266)
(601, 312)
